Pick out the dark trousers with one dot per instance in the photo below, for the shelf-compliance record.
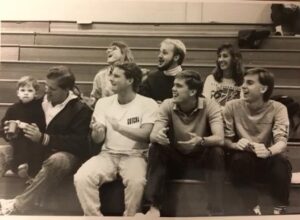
(26, 151)
(246, 169)
(166, 162)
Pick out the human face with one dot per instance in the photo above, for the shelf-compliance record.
(114, 55)
(224, 60)
(181, 92)
(253, 90)
(166, 58)
(119, 81)
(55, 94)
(26, 93)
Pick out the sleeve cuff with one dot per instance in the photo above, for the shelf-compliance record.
(45, 139)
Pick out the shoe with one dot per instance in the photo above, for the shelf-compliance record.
(139, 215)
(10, 173)
(23, 171)
(153, 212)
(256, 210)
(279, 210)
(7, 206)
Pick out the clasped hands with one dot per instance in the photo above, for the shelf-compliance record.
(185, 146)
(259, 149)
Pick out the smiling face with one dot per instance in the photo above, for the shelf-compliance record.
(119, 81)
(55, 94)
(224, 60)
(181, 92)
(114, 55)
(26, 93)
(166, 58)
(253, 90)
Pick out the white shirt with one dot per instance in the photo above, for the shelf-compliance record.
(141, 110)
(51, 111)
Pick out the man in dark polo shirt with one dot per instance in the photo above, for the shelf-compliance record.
(189, 128)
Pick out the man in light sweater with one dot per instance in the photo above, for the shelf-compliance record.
(256, 130)
(159, 83)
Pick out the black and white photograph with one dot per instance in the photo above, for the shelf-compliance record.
(173, 109)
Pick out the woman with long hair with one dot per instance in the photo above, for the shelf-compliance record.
(117, 53)
(224, 84)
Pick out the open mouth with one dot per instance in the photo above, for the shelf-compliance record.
(160, 62)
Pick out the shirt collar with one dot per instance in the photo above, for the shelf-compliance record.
(173, 72)
(200, 105)
(70, 97)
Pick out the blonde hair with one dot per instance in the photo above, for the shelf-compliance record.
(28, 80)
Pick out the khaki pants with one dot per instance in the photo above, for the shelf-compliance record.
(104, 168)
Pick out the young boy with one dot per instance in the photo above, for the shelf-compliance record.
(27, 155)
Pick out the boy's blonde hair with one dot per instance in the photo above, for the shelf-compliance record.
(28, 80)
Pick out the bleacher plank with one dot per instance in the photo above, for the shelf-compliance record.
(88, 39)
(22, 38)
(34, 26)
(158, 28)
(284, 75)
(293, 153)
(149, 55)
(10, 52)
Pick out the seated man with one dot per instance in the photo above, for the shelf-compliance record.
(158, 84)
(65, 139)
(124, 122)
(189, 128)
(256, 129)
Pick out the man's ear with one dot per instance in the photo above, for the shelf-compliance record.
(193, 92)
(176, 58)
(263, 89)
(130, 80)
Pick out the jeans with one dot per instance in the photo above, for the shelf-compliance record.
(166, 162)
(246, 169)
(54, 170)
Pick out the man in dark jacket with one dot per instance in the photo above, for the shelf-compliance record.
(65, 138)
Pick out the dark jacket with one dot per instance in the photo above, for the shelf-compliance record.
(69, 129)
(31, 112)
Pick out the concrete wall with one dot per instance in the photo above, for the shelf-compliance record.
(136, 11)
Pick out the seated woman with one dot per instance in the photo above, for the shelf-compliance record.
(117, 53)
(224, 84)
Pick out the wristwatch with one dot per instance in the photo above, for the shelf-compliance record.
(202, 141)
(270, 152)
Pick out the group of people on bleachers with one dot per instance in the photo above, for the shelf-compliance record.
(151, 128)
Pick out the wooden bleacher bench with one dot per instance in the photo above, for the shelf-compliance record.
(205, 40)
(85, 71)
(141, 54)
(127, 27)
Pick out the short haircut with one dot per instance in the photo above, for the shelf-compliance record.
(63, 75)
(265, 78)
(132, 71)
(192, 79)
(179, 48)
(236, 63)
(28, 80)
(125, 50)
